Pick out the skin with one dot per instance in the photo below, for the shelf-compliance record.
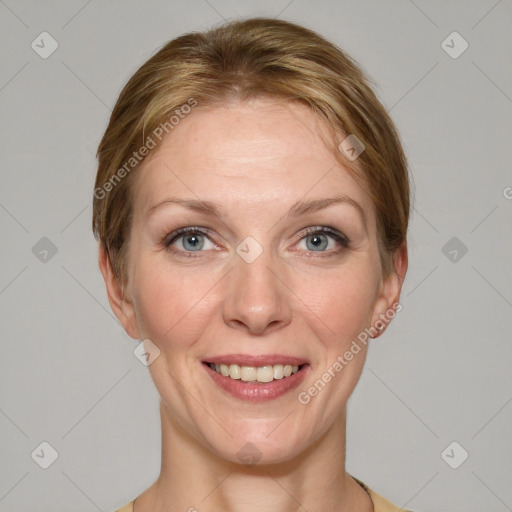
(255, 159)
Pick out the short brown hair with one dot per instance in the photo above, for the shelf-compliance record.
(239, 60)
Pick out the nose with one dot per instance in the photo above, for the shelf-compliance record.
(257, 299)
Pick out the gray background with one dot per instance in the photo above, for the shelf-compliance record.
(441, 372)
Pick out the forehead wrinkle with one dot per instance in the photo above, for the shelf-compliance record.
(298, 208)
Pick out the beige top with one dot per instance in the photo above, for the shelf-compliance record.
(380, 504)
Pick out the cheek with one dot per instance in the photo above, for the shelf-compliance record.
(171, 306)
(342, 301)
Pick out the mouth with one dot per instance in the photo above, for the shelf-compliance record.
(263, 374)
(258, 378)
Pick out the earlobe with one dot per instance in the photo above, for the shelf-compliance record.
(387, 303)
(121, 304)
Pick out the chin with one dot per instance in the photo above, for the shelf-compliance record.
(251, 448)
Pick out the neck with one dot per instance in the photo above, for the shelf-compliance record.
(192, 478)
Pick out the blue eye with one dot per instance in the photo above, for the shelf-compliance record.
(317, 239)
(191, 240)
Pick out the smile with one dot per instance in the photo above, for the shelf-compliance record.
(267, 373)
(257, 380)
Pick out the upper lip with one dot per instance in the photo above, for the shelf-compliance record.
(259, 360)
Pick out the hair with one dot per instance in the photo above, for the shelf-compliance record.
(240, 60)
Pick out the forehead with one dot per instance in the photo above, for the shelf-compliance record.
(256, 152)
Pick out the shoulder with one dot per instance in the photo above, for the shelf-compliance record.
(127, 508)
(380, 503)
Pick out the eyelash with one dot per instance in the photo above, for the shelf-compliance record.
(314, 230)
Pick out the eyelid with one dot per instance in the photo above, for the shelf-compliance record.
(178, 233)
(327, 230)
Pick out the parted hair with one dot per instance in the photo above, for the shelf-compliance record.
(236, 61)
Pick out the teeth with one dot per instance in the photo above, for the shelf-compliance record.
(265, 374)
(248, 373)
(278, 371)
(234, 371)
(252, 373)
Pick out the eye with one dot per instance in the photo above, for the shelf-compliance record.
(319, 239)
(186, 240)
(323, 239)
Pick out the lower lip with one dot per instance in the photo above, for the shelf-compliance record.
(257, 391)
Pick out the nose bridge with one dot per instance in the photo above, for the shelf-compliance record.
(256, 299)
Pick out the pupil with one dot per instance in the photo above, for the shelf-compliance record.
(193, 242)
(317, 242)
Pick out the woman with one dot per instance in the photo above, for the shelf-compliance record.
(251, 204)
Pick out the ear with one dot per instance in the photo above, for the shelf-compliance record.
(121, 305)
(387, 303)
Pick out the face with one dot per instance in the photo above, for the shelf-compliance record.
(252, 248)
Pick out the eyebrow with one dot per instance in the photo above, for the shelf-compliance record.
(297, 209)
